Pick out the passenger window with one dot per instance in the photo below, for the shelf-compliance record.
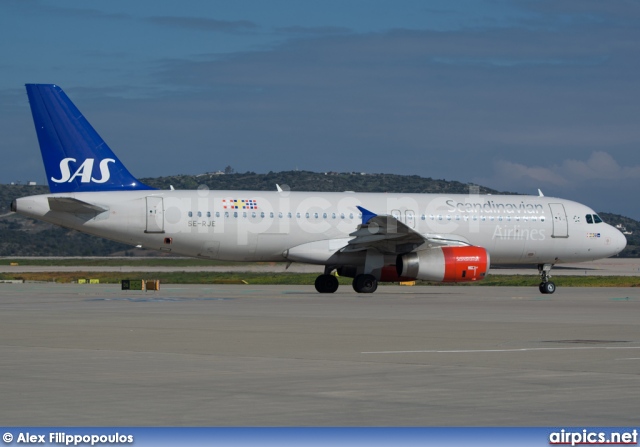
(199, 214)
(208, 213)
(190, 213)
(262, 214)
(589, 219)
(271, 214)
(217, 213)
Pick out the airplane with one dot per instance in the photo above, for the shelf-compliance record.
(370, 237)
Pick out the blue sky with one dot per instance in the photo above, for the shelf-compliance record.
(514, 95)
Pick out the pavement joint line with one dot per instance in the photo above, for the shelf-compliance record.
(467, 351)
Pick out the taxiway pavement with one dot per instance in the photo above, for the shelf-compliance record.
(241, 355)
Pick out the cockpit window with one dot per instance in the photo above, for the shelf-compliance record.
(593, 218)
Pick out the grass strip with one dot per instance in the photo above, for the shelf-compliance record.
(307, 279)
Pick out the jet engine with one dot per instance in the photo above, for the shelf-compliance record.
(445, 264)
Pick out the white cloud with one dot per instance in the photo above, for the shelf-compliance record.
(570, 173)
(530, 174)
(599, 166)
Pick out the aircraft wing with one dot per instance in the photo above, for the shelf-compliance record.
(387, 234)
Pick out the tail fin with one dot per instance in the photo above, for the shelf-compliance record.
(75, 158)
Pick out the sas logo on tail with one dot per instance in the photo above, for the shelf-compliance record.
(85, 171)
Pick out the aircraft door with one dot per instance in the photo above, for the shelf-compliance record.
(155, 215)
(559, 218)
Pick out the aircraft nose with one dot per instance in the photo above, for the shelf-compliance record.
(618, 240)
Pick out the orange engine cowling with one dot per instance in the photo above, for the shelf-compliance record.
(445, 264)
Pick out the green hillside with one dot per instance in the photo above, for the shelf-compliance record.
(314, 181)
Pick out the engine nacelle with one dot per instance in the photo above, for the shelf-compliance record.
(445, 264)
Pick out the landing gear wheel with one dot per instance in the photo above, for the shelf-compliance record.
(547, 287)
(326, 284)
(365, 284)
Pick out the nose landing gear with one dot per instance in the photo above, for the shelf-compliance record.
(546, 286)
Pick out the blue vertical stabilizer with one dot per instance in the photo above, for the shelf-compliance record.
(75, 157)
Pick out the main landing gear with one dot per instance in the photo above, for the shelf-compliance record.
(365, 283)
(546, 286)
(328, 283)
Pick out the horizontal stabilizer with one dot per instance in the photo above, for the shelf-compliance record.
(73, 206)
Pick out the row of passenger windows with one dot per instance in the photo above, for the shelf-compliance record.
(272, 214)
(434, 217)
(484, 218)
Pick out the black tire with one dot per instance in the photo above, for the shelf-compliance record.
(365, 284)
(326, 284)
(549, 287)
(541, 288)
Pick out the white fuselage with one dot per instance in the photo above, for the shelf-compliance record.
(268, 226)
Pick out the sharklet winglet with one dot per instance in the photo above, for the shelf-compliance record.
(366, 215)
